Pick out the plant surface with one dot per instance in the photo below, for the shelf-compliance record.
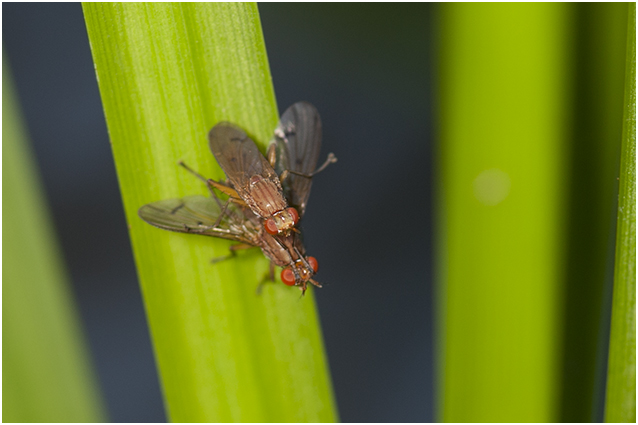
(621, 378)
(167, 73)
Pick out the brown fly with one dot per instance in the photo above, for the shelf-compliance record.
(259, 214)
(209, 216)
(293, 152)
(252, 179)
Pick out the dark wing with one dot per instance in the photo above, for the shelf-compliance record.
(238, 155)
(299, 244)
(298, 141)
(198, 214)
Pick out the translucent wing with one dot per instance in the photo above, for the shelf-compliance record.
(299, 244)
(198, 214)
(298, 141)
(238, 155)
(274, 250)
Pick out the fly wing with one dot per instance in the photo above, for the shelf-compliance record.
(197, 214)
(298, 141)
(274, 250)
(299, 244)
(238, 156)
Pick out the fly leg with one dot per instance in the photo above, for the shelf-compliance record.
(233, 252)
(271, 154)
(268, 276)
(193, 172)
(224, 188)
(330, 160)
(200, 177)
(206, 182)
(271, 271)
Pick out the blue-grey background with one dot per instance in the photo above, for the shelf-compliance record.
(367, 68)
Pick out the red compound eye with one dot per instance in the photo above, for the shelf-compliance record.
(313, 263)
(288, 277)
(295, 215)
(271, 227)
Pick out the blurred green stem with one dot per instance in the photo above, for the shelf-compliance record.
(504, 125)
(46, 372)
(621, 380)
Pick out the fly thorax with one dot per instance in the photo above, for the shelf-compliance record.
(265, 195)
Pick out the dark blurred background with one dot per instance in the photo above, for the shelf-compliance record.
(370, 77)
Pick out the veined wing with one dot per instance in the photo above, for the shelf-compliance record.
(238, 155)
(198, 214)
(298, 141)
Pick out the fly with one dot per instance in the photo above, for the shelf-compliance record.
(209, 216)
(253, 181)
(293, 151)
(256, 217)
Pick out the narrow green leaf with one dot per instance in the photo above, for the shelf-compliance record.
(597, 78)
(167, 73)
(46, 372)
(504, 126)
(621, 379)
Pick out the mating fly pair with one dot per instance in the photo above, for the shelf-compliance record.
(267, 197)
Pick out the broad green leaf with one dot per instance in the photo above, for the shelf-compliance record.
(167, 73)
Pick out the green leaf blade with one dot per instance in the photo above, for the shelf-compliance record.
(621, 378)
(167, 74)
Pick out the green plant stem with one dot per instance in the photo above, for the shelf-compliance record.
(46, 372)
(167, 73)
(504, 94)
(621, 378)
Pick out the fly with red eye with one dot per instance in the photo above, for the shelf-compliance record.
(288, 275)
(277, 188)
(251, 178)
(211, 217)
(293, 152)
(208, 216)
